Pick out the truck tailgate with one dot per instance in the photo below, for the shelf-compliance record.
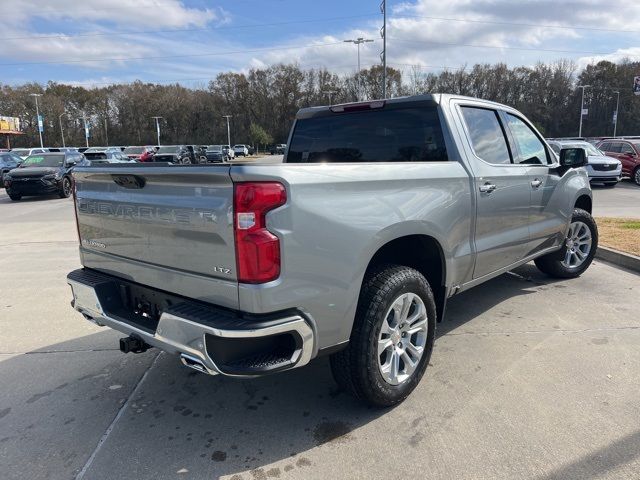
(168, 227)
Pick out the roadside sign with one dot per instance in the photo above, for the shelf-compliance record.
(585, 111)
(40, 123)
(636, 85)
(615, 117)
(86, 132)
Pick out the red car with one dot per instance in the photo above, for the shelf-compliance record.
(627, 151)
(140, 154)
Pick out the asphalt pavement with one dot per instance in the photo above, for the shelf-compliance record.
(531, 378)
(622, 201)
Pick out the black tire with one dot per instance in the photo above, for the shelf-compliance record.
(552, 264)
(356, 369)
(66, 188)
(15, 196)
(636, 176)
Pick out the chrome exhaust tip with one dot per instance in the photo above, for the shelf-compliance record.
(193, 362)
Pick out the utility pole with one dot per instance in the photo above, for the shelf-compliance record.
(359, 41)
(40, 122)
(228, 129)
(615, 118)
(61, 130)
(106, 132)
(383, 33)
(582, 108)
(86, 129)
(157, 119)
(330, 93)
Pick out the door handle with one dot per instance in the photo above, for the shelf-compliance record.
(487, 187)
(536, 183)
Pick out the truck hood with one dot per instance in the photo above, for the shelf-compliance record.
(33, 172)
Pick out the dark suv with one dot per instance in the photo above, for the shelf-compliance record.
(43, 174)
(173, 154)
(628, 152)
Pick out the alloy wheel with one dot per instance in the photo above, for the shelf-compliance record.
(578, 245)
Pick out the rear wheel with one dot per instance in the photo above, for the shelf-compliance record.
(578, 250)
(636, 176)
(392, 337)
(65, 190)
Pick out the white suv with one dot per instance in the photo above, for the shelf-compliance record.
(241, 150)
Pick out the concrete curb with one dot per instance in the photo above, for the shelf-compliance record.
(625, 260)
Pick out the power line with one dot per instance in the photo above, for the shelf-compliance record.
(517, 24)
(164, 57)
(63, 36)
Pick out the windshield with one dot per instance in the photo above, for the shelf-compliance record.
(21, 153)
(95, 149)
(214, 148)
(590, 149)
(43, 161)
(169, 149)
(134, 150)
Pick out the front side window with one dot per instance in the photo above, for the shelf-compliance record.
(402, 134)
(487, 137)
(530, 147)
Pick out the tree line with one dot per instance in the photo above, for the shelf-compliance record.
(263, 102)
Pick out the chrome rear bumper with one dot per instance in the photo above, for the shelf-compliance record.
(192, 330)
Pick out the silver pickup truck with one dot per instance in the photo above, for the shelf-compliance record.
(379, 213)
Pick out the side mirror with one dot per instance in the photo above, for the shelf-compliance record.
(573, 157)
(70, 163)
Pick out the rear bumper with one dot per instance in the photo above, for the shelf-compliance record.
(207, 338)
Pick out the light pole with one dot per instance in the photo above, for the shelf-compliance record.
(582, 108)
(228, 129)
(61, 130)
(359, 41)
(331, 93)
(383, 7)
(615, 118)
(36, 95)
(86, 129)
(157, 119)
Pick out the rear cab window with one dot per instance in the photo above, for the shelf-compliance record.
(486, 135)
(395, 133)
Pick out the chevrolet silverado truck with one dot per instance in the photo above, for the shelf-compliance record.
(379, 213)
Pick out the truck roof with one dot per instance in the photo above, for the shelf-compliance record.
(434, 98)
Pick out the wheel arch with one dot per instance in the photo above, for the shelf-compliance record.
(584, 202)
(421, 252)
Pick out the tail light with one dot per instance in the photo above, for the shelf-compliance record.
(257, 249)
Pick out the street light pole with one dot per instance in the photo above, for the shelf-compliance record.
(157, 119)
(61, 130)
(615, 120)
(383, 7)
(86, 129)
(581, 108)
(228, 129)
(359, 41)
(331, 93)
(36, 95)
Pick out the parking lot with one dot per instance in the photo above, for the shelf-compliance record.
(530, 378)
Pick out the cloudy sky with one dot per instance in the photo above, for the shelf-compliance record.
(96, 42)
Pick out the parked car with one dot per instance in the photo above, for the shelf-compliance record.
(627, 151)
(197, 153)
(173, 154)
(229, 152)
(140, 154)
(8, 161)
(43, 174)
(108, 156)
(216, 154)
(600, 168)
(278, 149)
(429, 196)
(25, 152)
(240, 150)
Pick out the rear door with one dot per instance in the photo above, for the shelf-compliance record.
(165, 227)
(502, 190)
(627, 157)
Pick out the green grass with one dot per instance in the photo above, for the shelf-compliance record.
(631, 225)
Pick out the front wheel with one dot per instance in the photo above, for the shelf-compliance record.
(636, 176)
(578, 249)
(15, 196)
(65, 191)
(392, 337)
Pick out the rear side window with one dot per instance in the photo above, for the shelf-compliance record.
(411, 134)
(626, 148)
(487, 136)
(614, 147)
